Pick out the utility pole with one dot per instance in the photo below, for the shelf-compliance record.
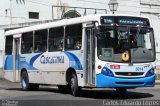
(10, 9)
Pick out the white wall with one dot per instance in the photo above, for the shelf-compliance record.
(1, 59)
(1, 39)
(155, 21)
(19, 12)
(1, 49)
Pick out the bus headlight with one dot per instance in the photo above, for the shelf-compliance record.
(108, 72)
(150, 72)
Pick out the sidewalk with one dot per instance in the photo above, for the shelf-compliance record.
(157, 78)
(157, 82)
(1, 74)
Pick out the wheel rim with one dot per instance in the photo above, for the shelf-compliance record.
(24, 81)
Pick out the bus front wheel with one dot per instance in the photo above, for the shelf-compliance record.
(121, 91)
(74, 85)
(25, 82)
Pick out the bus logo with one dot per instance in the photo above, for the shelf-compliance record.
(125, 56)
(51, 59)
(129, 74)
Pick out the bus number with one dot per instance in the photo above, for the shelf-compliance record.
(139, 68)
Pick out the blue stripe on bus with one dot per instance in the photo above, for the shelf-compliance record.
(24, 64)
(33, 59)
(73, 58)
(29, 66)
(9, 63)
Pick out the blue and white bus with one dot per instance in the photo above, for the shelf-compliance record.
(95, 51)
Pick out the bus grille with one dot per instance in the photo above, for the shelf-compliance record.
(129, 73)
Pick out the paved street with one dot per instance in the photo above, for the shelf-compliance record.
(9, 90)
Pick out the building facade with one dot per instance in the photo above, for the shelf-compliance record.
(15, 12)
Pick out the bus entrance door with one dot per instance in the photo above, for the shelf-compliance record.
(16, 50)
(90, 57)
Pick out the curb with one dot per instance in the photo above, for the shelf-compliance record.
(1, 77)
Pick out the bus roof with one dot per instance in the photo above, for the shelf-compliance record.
(62, 22)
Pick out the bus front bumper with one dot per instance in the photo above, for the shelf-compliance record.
(106, 81)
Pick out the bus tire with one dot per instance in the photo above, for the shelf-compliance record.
(25, 82)
(121, 91)
(74, 85)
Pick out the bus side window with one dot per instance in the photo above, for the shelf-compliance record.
(73, 38)
(40, 40)
(56, 39)
(27, 43)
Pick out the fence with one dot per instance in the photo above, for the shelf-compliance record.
(59, 12)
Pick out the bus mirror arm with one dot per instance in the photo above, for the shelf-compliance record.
(97, 32)
(97, 28)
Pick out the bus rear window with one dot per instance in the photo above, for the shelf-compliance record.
(9, 45)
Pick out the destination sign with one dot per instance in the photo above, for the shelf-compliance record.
(123, 20)
(131, 21)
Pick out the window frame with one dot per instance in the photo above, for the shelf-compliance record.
(33, 15)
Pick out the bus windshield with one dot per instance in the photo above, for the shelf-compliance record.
(136, 43)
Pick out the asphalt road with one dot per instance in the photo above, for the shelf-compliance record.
(12, 91)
